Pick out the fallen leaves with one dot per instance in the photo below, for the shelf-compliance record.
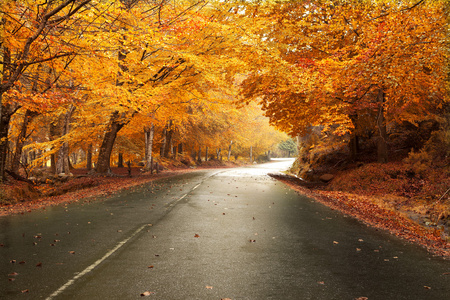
(196, 235)
(147, 293)
(209, 287)
(363, 208)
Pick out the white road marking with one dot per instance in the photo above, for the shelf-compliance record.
(108, 254)
(94, 265)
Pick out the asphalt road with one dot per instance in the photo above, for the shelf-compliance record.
(217, 234)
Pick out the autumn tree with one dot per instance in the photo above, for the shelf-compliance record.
(29, 31)
(337, 62)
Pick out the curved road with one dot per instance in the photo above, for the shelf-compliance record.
(217, 234)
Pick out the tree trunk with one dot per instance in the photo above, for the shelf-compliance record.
(169, 139)
(381, 124)
(149, 133)
(219, 156)
(62, 164)
(89, 158)
(180, 148)
(120, 160)
(206, 154)
(353, 144)
(53, 132)
(174, 152)
(199, 157)
(251, 153)
(29, 115)
(104, 155)
(163, 143)
(229, 150)
(5, 118)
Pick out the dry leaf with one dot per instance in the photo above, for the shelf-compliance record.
(39, 264)
(147, 293)
(334, 242)
(209, 287)
(196, 235)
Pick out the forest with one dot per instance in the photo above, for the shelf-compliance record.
(361, 86)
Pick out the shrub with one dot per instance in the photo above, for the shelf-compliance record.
(419, 162)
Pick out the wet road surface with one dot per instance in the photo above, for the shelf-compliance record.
(217, 234)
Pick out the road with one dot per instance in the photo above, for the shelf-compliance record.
(214, 234)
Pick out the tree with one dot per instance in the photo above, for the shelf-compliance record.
(28, 37)
(339, 62)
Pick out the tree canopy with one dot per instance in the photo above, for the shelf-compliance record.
(140, 78)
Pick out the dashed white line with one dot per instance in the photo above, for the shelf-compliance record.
(94, 265)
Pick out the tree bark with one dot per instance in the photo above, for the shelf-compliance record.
(169, 139)
(206, 154)
(219, 156)
(163, 143)
(199, 157)
(382, 147)
(120, 160)
(53, 133)
(251, 153)
(104, 155)
(353, 144)
(4, 127)
(149, 133)
(89, 158)
(29, 115)
(8, 111)
(62, 164)
(229, 150)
